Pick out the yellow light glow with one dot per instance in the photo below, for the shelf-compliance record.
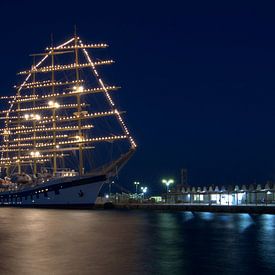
(80, 89)
(37, 117)
(35, 154)
(53, 104)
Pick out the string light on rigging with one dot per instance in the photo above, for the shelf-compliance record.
(35, 154)
(32, 133)
(53, 104)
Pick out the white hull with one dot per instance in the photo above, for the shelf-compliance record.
(58, 193)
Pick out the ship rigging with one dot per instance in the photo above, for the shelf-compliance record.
(56, 116)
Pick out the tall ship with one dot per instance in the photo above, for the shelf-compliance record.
(63, 135)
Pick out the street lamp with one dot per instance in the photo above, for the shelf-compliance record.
(110, 186)
(143, 190)
(167, 183)
(136, 183)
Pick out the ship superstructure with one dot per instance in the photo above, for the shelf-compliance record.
(63, 135)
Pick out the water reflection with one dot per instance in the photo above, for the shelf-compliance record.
(134, 242)
(70, 242)
(165, 245)
(207, 216)
(187, 216)
(266, 239)
(245, 221)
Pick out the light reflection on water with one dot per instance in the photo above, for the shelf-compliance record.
(245, 221)
(187, 216)
(267, 239)
(134, 242)
(208, 216)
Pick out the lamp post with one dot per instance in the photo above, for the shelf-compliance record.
(143, 190)
(167, 183)
(110, 186)
(136, 183)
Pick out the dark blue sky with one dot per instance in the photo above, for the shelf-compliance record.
(197, 77)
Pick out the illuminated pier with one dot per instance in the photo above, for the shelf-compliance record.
(225, 195)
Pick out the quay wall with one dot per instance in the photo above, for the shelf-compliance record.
(250, 209)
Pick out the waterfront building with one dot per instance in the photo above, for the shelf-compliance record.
(224, 195)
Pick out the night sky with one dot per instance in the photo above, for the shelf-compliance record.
(198, 79)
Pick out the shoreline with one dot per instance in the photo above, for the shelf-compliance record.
(249, 209)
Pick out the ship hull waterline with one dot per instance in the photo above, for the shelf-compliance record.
(75, 192)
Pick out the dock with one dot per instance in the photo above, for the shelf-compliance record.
(249, 209)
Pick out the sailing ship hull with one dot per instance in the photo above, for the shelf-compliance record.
(75, 192)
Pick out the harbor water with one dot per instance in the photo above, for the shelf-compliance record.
(42, 241)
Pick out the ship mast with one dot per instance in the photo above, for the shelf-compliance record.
(6, 144)
(34, 121)
(53, 114)
(18, 125)
(44, 122)
(79, 88)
